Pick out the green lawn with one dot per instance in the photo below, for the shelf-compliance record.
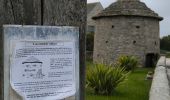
(166, 53)
(135, 88)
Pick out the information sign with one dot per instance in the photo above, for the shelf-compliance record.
(43, 70)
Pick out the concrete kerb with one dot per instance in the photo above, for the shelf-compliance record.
(162, 61)
(168, 63)
(160, 89)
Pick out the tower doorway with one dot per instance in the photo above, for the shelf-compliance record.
(151, 60)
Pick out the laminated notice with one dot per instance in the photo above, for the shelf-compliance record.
(43, 70)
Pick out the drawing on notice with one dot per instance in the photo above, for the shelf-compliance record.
(33, 68)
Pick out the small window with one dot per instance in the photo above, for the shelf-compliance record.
(134, 42)
(107, 41)
(113, 26)
(155, 43)
(137, 26)
(98, 55)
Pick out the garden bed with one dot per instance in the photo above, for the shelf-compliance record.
(135, 88)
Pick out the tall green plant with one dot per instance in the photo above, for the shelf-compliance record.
(103, 79)
(129, 62)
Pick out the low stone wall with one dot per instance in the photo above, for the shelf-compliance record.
(160, 89)
(161, 61)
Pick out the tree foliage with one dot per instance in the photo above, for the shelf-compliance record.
(165, 43)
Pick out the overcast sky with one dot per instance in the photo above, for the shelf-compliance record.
(162, 7)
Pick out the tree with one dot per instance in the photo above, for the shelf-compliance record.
(165, 43)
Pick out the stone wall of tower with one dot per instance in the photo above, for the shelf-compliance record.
(125, 35)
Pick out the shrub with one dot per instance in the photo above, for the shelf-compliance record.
(129, 62)
(103, 79)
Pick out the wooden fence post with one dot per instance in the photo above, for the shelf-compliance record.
(46, 12)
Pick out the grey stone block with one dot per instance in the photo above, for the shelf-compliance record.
(168, 62)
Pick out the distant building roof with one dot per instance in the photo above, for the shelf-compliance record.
(128, 8)
(91, 6)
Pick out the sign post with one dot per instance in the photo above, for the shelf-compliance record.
(41, 62)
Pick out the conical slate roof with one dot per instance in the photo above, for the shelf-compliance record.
(128, 8)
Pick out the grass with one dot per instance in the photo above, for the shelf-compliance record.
(135, 88)
(166, 53)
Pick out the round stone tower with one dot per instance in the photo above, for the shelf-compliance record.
(127, 27)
